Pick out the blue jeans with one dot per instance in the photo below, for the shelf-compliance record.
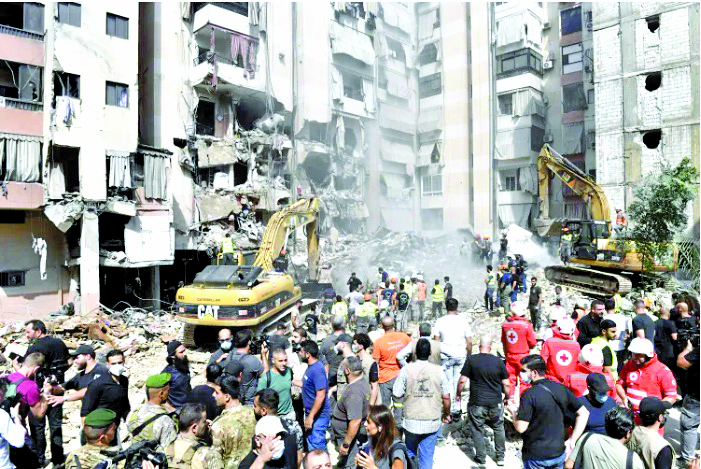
(451, 369)
(555, 463)
(489, 299)
(423, 445)
(514, 295)
(688, 426)
(316, 437)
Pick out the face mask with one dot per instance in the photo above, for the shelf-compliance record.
(117, 370)
(226, 345)
(601, 398)
(355, 348)
(525, 377)
(278, 454)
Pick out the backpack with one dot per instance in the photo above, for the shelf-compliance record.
(399, 445)
(11, 396)
(186, 461)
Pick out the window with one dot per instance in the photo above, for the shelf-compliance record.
(573, 98)
(506, 107)
(317, 131)
(12, 217)
(205, 118)
(437, 23)
(590, 96)
(570, 21)
(69, 13)
(429, 54)
(592, 174)
(432, 185)
(520, 61)
(117, 95)
(430, 85)
(572, 58)
(537, 135)
(510, 183)
(12, 278)
(117, 26)
(353, 86)
(66, 84)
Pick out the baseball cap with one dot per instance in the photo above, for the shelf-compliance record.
(652, 406)
(643, 346)
(269, 425)
(83, 350)
(566, 325)
(597, 382)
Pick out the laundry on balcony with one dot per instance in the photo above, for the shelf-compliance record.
(21, 155)
(353, 43)
(120, 168)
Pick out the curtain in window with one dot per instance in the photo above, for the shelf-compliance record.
(348, 41)
(22, 157)
(572, 138)
(528, 179)
(431, 119)
(527, 102)
(120, 168)
(397, 85)
(155, 178)
(516, 214)
(510, 30)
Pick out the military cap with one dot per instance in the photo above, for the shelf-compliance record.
(160, 380)
(100, 418)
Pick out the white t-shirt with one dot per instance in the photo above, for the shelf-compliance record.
(623, 324)
(453, 330)
(354, 300)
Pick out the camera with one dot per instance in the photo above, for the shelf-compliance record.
(257, 344)
(135, 455)
(690, 334)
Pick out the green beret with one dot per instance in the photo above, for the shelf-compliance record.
(158, 381)
(100, 418)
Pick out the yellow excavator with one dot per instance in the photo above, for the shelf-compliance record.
(255, 296)
(602, 256)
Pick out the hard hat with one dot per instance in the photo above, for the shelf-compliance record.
(486, 238)
(420, 277)
(566, 229)
(384, 304)
(382, 285)
(518, 308)
(502, 267)
(643, 346)
(283, 252)
(582, 304)
(646, 301)
(477, 236)
(592, 355)
(504, 233)
(394, 280)
(565, 324)
(558, 312)
(367, 297)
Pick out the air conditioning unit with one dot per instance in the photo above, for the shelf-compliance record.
(548, 137)
(547, 65)
(546, 25)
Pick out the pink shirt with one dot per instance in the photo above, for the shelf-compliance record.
(28, 389)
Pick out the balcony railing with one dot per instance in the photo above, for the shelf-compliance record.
(22, 104)
(207, 56)
(4, 29)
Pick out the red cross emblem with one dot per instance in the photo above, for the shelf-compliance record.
(563, 357)
(512, 336)
(633, 376)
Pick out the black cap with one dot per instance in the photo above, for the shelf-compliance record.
(597, 383)
(652, 406)
(347, 338)
(83, 350)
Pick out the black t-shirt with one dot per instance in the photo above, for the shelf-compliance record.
(664, 345)
(311, 321)
(486, 373)
(644, 322)
(448, 289)
(402, 300)
(534, 296)
(354, 283)
(664, 458)
(83, 379)
(692, 374)
(542, 406)
(503, 242)
(204, 395)
(55, 354)
(106, 394)
(588, 329)
(287, 461)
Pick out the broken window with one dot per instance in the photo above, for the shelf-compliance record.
(69, 13)
(117, 26)
(20, 81)
(429, 54)
(64, 171)
(430, 85)
(25, 16)
(432, 185)
(537, 135)
(571, 21)
(652, 139)
(432, 218)
(12, 278)
(66, 84)
(590, 96)
(592, 174)
(573, 98)
(353, 86)
(506, 107)
(205, 118)
(317, 131)
(653, 81)
(395, 50)
(572, 58)
(653, 23)
(435, 154)
(117, 95)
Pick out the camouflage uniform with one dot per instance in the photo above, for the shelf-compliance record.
(204, 457)
(232, 433)
(162, 429)
(88, 456)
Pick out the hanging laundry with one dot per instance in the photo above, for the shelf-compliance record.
(39, 247)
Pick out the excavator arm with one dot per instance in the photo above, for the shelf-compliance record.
(304, 212)
(549, 161)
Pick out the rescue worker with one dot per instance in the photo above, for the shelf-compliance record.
(421, 295)
(618, 303)
(487, 253)
(500, 290)
(521, 268)
(340, 308)
(565, 245)
(621, 222)
(401, 307)
(503, 243)
(490, 281)
(437, 298)
(590, 361)
(99, 429)
(518, 338)
(383, 277)
(227, 250)
(560, 352)
(447, 288)
(645, 376)
(364, 314)
(609, 333)
(476, 248)
(280, 263)
(388, 293)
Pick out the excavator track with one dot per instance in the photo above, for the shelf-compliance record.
(589, 281)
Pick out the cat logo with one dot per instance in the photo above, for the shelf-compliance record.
(208, 310)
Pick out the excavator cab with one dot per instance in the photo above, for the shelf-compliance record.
(589, 241)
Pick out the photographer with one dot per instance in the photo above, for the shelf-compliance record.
(690, 418)
(251, 365)
(55, 365)
(30, 397)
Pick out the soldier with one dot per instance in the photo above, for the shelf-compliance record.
(233, 430)
(151, 420)
(99, 429)
(189, 450)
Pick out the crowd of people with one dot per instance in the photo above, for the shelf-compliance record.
(589, 388)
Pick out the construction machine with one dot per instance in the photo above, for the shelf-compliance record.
(251, 296)
(599, 258)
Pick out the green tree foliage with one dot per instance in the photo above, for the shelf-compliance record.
(658, 211)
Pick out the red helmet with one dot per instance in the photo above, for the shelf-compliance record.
(566, 230)
(367, 297)
(394, 280)
(283, 252)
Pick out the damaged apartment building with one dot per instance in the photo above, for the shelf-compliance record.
(86, 215)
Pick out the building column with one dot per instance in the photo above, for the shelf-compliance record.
(89, 263)
(156, 287)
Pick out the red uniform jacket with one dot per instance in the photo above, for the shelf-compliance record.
(653, 379)
(517, 336)
(560, 354)
(577, 381)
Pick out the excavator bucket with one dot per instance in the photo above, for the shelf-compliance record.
(315, 290)
(546, 227)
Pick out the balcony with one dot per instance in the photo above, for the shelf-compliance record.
(21, 46)
(22, 196)
(20, 116)
(229, 16)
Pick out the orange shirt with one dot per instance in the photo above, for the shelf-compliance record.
(385, 350)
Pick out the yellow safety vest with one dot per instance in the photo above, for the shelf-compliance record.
(438, 295)
(339, 309)
(602, 344)
(227, 246)
(492, 281)
(363, 311)
(567, 237)
(618, 302)
(408, 289)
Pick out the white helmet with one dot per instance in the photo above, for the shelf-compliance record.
(384, 304)
(565, 325)
(643, 346)
(592, 355)
(518, 308)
